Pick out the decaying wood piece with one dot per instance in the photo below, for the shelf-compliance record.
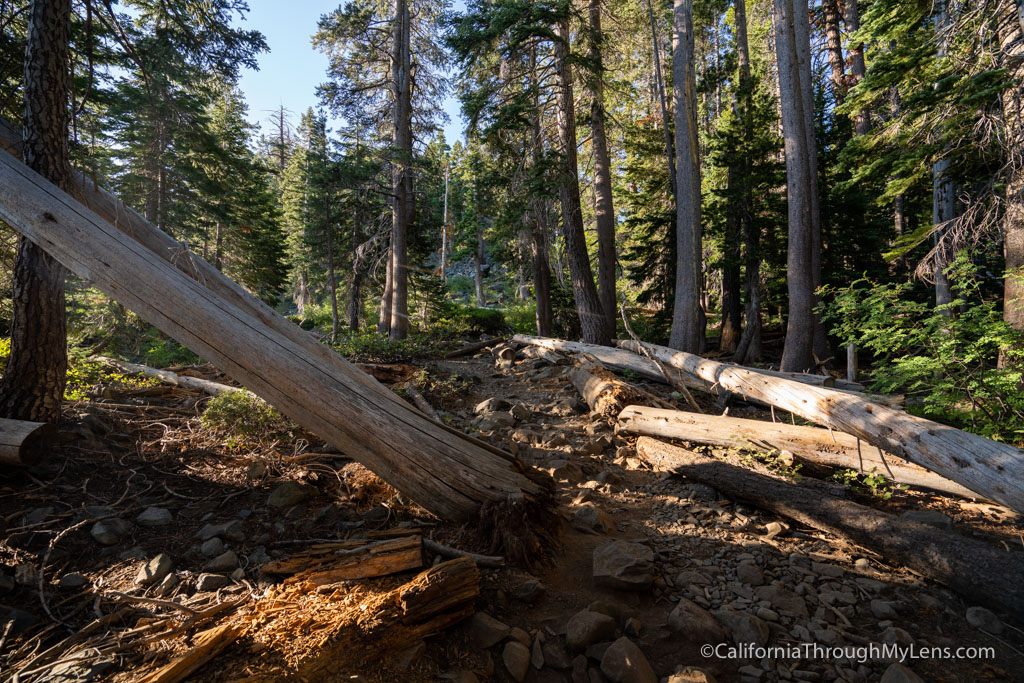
(811, 444)
(982, 573)
(492, 561)
(600, 388)
(389, 373)
(419, 401)
(552, 357)
(196, 383)
(325, 563)
(25, 443)
(208, 645)
(991, 469)
(433, 465)
(470, 349)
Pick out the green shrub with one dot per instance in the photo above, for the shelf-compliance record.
(521, 317)
(370, 347)
(164, 352)
(243, 417)
(84, 373)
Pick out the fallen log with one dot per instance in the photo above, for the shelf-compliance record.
(600, 388)
(470, 349)
(25, 443)
(208, 645)
(991, 469)
(419, 401)
(811, 444)
(325, 563)
(982, 573)
(196, 383)
(450, 475)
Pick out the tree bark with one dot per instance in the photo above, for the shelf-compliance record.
(989, 468)
(604, 211)
(449, 474)
(687, 332)
(478, 265)
(593, 322)
(386, 297)
(402, 182)
(356, 286)
(33, 382)
(834, 46)
(851, 17)
(659, 82)
(980, 572)
(333, 279)
(1011, 43)
(810, 444)
(797, 354)
(943, 195)
(541, 264)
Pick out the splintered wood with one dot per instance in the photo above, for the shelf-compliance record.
(326, 563)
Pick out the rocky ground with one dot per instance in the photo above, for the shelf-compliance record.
(143, 508)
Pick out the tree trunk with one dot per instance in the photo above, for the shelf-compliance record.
(1011, 43)
(600, 388)
(402, 182)
(603, 207)
(478, 265)
(593, 322)
(541, 265)
(943, 195)
(732, 306)
(981, 572)
(851, 16)
(687, 318)
(384, 322)
(356, 286)
(444, 226)
(447, 473)
(810, 444)
(797, 354)
(834, 44)
(659, 82)
(33, 382)
(333, 280)
(989, 468)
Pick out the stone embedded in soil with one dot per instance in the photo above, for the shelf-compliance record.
(73, 580)
(492, 405)
(979, 617)
(623, 565)
(165, 587)
(233, 531)
(110, 531)
(930, 517)
(154, 516)
(748, 572)
(783, 600)
(516, 658)
(407, 657)
(155, 570)
(290, 493)
(695, 623)
(592, 518)
(751, 674)
(487, 631)
(210, 582)
(555, 654)
(519, 635)
(743, 627)
(624, 662)
(829, 571)
(882, 609)
(586, 628)
(212, 547)
(691, 674)
(529, 591)
(900, 673)
(224, 562)
(568, 407)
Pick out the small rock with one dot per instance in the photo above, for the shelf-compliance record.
(36, 516)
(224, 562)
(405, 659)
(633, 627)
(516, 658)
(896, 635)
(26, 574)
(748, 572)
(73, 580)
(900, 673)
(773, 529)
(624, 662)
(751, 674)
(212, 547)
(592, 518)
(882, 609)
(290, 493)
(486, 630)
(519, 635)
(155, 570)
(623, 565)
(555, 655)
(703, 492)
(529, 591)
(827, 570)
(537, 652)
(783, 600)
(154, 516)
(586, 628)
(210, 582)
(979, 617)
(691, 674)
(695, 623)
(110, 531)
(862, 563)
(233, 531)
(165, 587)
(743, 627)
(237, 575)
(930, 517)
(492, 405)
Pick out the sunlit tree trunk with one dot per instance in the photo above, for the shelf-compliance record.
(541, 265)
(1011, 43)
(851, 16)
(659, 83)
(402, 185)
(943, 196)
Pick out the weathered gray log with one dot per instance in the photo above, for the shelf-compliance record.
(450, 475)
(981, 572)
(25, 443)
(196, 383)
(991, 469)
(470, 349)
(600, 388)
(811, 444)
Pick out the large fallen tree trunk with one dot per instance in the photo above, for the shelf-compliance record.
(981, 572)
(600, 388)
(24, 443)
(811, 444)
(196, 383)
(991, 469)
(447, 473)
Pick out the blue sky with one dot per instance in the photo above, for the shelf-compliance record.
(291, 71)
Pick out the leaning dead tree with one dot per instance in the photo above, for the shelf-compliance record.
(991, 469)
(449, 474)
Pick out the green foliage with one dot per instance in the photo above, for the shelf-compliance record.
(243, 417)
(873, 482)
(774, 461)
(945, 358)
(163, 352)
(477, 320)
(370, 347)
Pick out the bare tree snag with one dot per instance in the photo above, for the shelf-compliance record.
(448, 474)
(980, 572)
(326, 563)
(24, 443)
(811, 444)
(991, 469)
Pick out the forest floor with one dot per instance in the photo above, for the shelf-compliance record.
(138, 475)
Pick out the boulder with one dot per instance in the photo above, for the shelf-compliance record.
(624, 662)
(979, 617)
(590, 517)
(486, 631)
(586, 628)
(516, 658)
(624, 565)
(155, 570)
(743, 627)
(695, 623)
